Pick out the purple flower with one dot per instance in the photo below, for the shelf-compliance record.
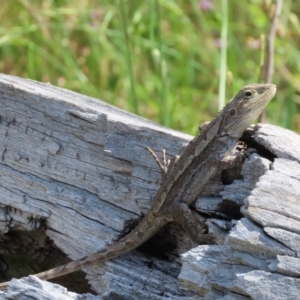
(207, 4)
(253, 43)
(218, 43)
(96, 18)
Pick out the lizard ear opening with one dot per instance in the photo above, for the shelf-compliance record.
(233, 112)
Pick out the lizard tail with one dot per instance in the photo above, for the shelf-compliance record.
(131, 241)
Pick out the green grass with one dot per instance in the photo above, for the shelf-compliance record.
(160, 59)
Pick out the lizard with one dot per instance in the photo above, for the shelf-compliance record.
(185, 178)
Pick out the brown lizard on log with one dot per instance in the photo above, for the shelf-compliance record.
(184, 180)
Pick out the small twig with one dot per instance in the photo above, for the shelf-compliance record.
(164, 116)
(269, 58)
(270, 43)
(223, 61)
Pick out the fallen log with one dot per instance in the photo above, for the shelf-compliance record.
(76, 174)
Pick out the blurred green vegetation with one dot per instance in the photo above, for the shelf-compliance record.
(157, 58)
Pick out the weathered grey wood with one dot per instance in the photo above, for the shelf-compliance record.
(286, 265)
(81, 166)
(259, 257)
(272, 139)
(248, 237)
(35, 289)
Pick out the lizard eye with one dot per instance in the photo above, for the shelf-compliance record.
(248, 93)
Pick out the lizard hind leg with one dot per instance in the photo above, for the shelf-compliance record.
(191, 223)
(166, 165)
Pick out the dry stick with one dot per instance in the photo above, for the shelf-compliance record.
(269, 58)
(270, 44)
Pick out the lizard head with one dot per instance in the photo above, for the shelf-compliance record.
(245, 107)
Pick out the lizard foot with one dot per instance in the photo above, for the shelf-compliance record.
(166, 165)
